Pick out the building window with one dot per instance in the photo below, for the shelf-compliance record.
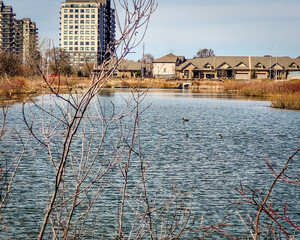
(81, 26)
(71, 16)
(76, 16)
(65, 38)
(65, 10)
(76, 43)
(70, 43)
(81, 32)
(82, 10)
(87, 48)
(82, 21)
(82, 16)
(66, 21)
(65, 43)
(71, 48)
(76, 37)
(71, 38)
(87, 32)
(92, 48)
(93, 22)
(93, 27)
(76, 32)
(71, 26)
(93, 11)
(87, 21)
(87, 16)
(81, 37)
(70, 32)
(76, 10)
(65, 26)
(76, 26)
(92, 43)
(81, 43)
(71, 10)
(87, 43)
(65, 32)
(93, 16)
(87, 10)
(81, 48)
(66, 16)
(76, 21)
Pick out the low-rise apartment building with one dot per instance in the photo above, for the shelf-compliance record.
(226, 67)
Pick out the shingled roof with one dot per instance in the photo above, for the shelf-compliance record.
(241, 62)
(128, 65)
(170, 58)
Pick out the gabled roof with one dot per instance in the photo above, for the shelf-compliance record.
(242, 65)
(128, 65)
(234, 62)
(170, 58)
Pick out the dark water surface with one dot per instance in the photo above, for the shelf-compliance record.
(191, 154)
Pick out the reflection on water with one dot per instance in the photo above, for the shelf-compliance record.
(190, 153)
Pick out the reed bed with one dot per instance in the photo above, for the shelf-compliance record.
(11, 86)
(282, 94)
(286, 101)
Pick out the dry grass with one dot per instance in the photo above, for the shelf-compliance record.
(142, 83)
(263, 88)
(11, 86)
(282, 94)
(287, 101)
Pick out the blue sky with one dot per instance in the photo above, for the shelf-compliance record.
(182, 27)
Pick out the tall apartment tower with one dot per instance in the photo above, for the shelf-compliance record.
(7, 28)
(87, 30)
(29, 39)
(18, 36)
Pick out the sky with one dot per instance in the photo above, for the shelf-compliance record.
(182, 27)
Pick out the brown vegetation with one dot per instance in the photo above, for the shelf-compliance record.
(286, 101)
(282, 94)
(11, 86)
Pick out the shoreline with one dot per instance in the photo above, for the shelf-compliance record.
(282, 95)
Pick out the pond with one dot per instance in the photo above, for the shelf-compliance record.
(224, 143)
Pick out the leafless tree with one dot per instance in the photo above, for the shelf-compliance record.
(204, 53)
(278, 223)
(8, 170)
(95, 149)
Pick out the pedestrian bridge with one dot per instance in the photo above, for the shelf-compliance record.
(185, 85)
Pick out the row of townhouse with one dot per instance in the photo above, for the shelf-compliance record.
(17, 35)
(230, 67)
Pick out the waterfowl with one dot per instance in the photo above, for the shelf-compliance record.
(185, 120)
(220, 136)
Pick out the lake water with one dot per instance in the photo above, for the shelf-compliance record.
(191, 154)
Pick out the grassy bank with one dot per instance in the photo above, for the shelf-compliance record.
(282, 94)
(13, 87)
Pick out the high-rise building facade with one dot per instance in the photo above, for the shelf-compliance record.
(18, 36)
(87, 30)
(7, 28)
